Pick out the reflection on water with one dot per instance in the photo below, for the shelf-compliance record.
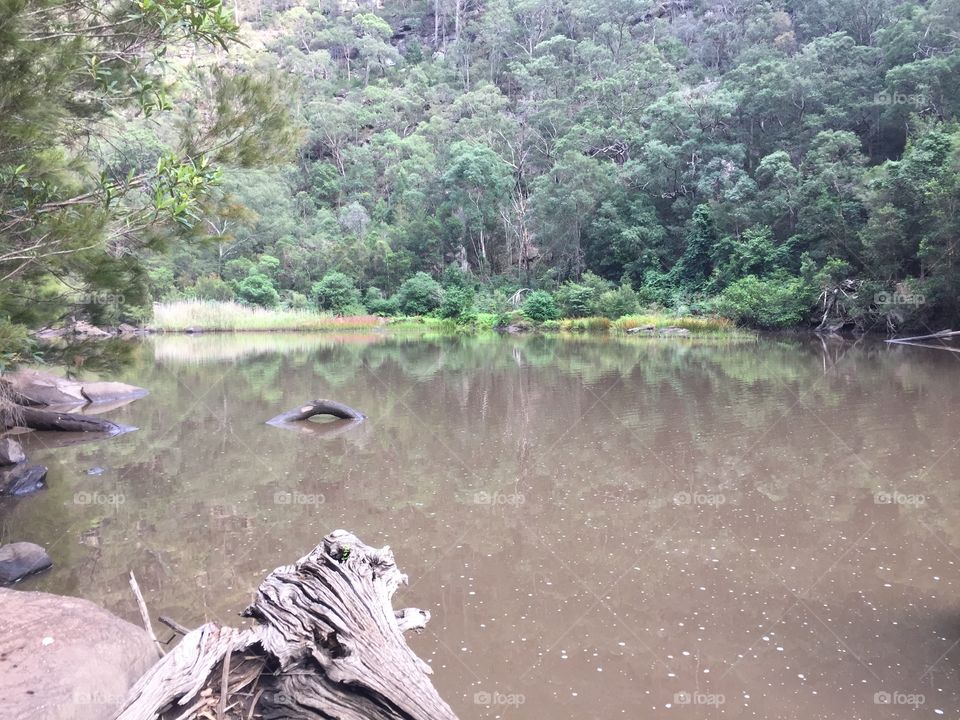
(600, 528)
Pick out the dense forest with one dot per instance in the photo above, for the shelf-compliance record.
(782, 163)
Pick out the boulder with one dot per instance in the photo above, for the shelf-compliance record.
(64, 658)
(84, 329)
(11, 452)
(33, 387)
(22, 479)
(19, 559)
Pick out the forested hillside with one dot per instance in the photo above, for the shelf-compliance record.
(759, 159)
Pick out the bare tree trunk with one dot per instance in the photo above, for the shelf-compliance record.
(327, 645)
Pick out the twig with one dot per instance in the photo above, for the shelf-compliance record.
(173, 625)
(144, 614)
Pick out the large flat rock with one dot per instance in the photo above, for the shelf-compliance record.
(64, 658)
(34, 387)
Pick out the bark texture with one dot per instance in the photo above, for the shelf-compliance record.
(327, 644)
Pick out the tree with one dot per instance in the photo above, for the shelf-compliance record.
(75, 75)
(336, 292)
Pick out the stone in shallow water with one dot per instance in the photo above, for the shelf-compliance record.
(19, 559)
(11, 452)
(64, 658)
(22, 479)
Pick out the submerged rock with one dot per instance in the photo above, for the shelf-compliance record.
(22, 479)
(19, 559)
(11, 452)
(64, 658)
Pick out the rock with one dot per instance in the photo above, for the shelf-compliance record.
(85, 329)
(125, 329)
(682, 332)
(22, 479)
(642, 329)
(32, 387)
(517, 328)
(19, 559)
(11, 452)
(64, 658)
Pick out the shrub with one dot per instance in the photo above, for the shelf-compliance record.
(617, 303)
(540, 306)
(257, 289)
(574, 300)
(237, 269)
(336, 292)
(377, 304)
(457, 304)
(210, 287)
(776, 301)
(294, 300)
(419, 295)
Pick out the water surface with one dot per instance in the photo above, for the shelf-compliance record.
(601, 528)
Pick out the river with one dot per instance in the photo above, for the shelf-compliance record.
(601, 528)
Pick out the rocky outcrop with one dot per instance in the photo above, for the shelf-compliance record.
(65, 658)
(19, 559)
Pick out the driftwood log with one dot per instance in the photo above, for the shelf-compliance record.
(37, 419)
(326, 644)
(299, 418)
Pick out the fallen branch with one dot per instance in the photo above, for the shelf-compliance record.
(327, 644)
(932, 336)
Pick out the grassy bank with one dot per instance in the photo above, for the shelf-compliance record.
(209, 316)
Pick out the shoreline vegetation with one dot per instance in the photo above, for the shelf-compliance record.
(196, 316)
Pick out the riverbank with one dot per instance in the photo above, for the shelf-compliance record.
(209, 316)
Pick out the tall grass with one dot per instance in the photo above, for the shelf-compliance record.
(213, 316)
(693, 323)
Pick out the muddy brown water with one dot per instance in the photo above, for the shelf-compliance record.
(601, 528)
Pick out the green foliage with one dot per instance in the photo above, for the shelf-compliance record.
(574, 299)
(336, 292)
(210, 287)
(776, 301)
(457, 304)
(257, 289)
(614, 304)
(419, 295)
(540, 306)
(16, 344)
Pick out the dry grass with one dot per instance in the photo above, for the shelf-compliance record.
(213, 316)
(694, 323)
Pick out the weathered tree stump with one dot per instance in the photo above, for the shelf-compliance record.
(327, 644)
